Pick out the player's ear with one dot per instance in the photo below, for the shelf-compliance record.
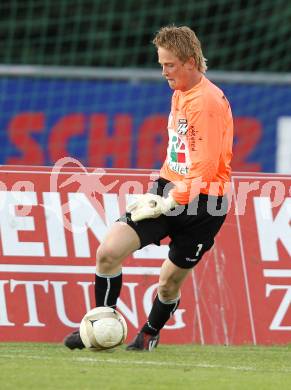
(191, 63)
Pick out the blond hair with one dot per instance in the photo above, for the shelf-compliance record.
(183, 42)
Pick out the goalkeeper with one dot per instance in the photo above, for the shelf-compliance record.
(188, 202)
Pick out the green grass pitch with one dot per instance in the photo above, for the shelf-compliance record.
(52, 366)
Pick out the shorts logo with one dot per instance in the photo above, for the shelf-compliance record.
(192, 260)
(182, 126)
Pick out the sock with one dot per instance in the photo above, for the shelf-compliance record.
(159, 315)
(107, 289)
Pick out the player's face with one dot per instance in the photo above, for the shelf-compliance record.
(177, 73)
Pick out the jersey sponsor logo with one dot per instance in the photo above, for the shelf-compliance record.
(178, 168)
(177, 154)
(178, 148)
(193, 137)
(182, 126)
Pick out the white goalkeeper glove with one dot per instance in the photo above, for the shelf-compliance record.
(150, 206)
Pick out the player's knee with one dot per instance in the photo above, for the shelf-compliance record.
(106, 259)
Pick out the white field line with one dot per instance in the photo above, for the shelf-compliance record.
(142, 363)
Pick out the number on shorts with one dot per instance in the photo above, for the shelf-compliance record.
(199, 248)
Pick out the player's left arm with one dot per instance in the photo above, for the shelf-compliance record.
(205, 139)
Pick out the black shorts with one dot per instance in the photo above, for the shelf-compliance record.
(191, 228)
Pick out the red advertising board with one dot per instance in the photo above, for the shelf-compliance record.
(53, 219)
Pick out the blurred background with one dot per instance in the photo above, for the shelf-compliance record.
(80, 78)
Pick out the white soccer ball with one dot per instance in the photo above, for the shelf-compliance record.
(103, 328)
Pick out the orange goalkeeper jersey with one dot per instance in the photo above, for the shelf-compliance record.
(200, 128)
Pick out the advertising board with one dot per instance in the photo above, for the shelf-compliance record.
(53, 219)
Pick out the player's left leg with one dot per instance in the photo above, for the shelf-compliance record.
(164, 306)
(120, 241)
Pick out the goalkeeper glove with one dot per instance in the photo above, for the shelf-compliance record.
(150, 206)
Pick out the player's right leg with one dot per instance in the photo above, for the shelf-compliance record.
(120, 242)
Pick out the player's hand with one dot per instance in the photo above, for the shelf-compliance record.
(150, 206)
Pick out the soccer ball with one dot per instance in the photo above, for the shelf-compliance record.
(103, 328)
